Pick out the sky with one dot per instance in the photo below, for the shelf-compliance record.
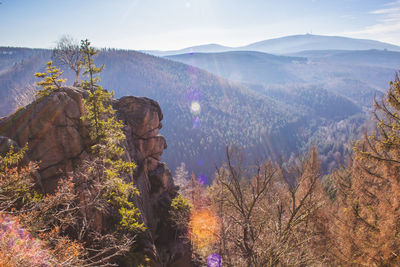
(175, 24)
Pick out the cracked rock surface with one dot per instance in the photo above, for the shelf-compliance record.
(54, 132)
(58, 141)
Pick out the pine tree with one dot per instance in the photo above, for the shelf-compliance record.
(107, 136)
(369, 193)
(91, 71)
(51, 80)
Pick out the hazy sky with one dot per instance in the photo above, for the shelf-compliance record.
(173, 24)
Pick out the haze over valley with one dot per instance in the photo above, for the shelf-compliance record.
(190, 133)
(269, 105)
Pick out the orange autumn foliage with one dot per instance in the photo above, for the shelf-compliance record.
(368, 222)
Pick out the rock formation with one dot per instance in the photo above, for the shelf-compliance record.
(58, 140)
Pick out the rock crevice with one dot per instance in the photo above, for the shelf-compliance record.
(59, 141)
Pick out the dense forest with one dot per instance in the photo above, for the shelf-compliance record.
(287, 214)
(318, 94)
(257, 204)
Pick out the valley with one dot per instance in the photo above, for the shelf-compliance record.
(268, 105)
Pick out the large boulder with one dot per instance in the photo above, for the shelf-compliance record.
(59, 141)
(53, 129)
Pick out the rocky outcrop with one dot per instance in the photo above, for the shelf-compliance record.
(56, 136)
(58, 140)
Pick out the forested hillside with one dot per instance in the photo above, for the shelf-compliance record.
(200, 133)
(245, 66)
(356, 75)
(202, 112)
(284, 215)
(259, 204)
(332, 85)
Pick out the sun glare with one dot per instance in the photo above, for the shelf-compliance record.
(204, 227)
(195, 107)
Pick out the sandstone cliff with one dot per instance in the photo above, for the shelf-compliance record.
(58, 141)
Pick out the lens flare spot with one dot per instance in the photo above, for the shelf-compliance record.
(214, 260)
(204, 227)
(196, 123)
(195, 107)
(203, 179)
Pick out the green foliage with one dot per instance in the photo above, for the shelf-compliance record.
(99, 117)
(30, 223)
(12, 158)
(91, 71)
(129, 218)
(16, 183)
(51, 80)
(180, 203)
(60, 218)
(107, 135)
(59, 221)
(119, 193)
(180, 212)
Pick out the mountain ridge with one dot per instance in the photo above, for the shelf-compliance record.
(230, 113)
(227, 113)
(285, 45)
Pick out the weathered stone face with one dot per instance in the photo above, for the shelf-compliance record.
(54, 132)
(58, 140)
(142, 117)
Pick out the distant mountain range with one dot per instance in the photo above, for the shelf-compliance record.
(208, 48)
(245, 66)
(287, 45)
(269, 105)
(230, 113)
(357, 75)
(372, 57)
